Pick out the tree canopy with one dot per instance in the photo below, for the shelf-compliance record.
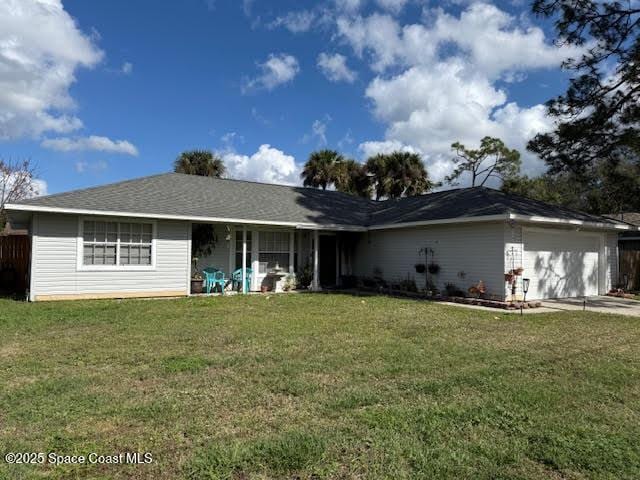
(595, 146)
(17, 181)
(320, 169)
(492, 160)
(351, 177)
(398, 174)
(200, 162)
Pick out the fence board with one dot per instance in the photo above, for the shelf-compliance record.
(15, 255)
(630, 264)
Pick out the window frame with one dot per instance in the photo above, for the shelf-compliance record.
(81, 267)
(274, 252)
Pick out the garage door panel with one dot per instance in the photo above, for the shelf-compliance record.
(561, 265)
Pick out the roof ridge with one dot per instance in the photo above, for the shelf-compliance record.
(280, 185)
(86, 189)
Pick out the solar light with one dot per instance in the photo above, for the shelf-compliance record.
(625, 280)
(525, 286)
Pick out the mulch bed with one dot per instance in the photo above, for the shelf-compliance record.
(441, 298)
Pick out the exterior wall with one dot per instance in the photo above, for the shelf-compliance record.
(55, 273)
(219, 257)
(466, 254)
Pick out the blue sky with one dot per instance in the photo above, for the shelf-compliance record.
(96, 92)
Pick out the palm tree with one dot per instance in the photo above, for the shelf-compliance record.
(319, 171)
(351, 177)
(398, 174)
(378, 168)
(199, 162)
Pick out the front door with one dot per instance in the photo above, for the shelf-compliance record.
(327, 260)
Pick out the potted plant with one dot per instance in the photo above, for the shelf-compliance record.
(508, 277)
(196, 283)
(434, 268)
(420, 267)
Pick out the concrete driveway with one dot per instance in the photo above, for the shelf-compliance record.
(618, 306)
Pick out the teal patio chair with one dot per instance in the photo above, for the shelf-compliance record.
(213, 277)
(236, 279)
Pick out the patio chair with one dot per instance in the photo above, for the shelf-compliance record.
(213, 277)
(236, 279)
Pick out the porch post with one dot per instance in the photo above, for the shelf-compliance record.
(244, 258)
(291, 252)
(315, 284)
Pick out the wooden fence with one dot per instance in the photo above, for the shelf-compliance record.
(630, 262)
(15, 254)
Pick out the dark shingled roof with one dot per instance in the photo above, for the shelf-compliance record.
(174, 194)
(195, 196)
(471, 202)
(630, 217)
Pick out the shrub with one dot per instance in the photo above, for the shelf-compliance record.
(453, 290)
(349, 281)
(408, 285)
(304, 276)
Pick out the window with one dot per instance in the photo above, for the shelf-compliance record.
(116, 243)
(100, 243)
(135, 243)
(274, 251)
(239, 249)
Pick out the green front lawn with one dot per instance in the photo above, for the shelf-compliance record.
(319, 386)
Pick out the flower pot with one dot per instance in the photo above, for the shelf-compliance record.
(508, 277)
(434, 268)
(420, 267)
(196, 286)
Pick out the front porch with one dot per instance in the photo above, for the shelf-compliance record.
(271, 258)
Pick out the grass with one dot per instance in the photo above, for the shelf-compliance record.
(319, 386)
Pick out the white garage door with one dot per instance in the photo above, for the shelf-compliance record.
(561, 265)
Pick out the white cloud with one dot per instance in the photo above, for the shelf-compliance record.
(319, 131)
(295, 22)
(369, 149)
(40, 49)
(349, 6)
(276, 70)
(268, 165)
(92, 142)
(335, 67)
(83, 166)
(127, 68)
(437, 80)
(490, 40)
(40, 187)
(394, 6)
(429, 108)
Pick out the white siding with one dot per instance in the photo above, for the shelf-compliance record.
(466, 254)
(55, 267)
(513, 258)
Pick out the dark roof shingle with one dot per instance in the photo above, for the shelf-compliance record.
(174, 194)
(195, 196)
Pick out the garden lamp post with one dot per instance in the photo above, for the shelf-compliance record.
(525, 289)
(625, 281)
